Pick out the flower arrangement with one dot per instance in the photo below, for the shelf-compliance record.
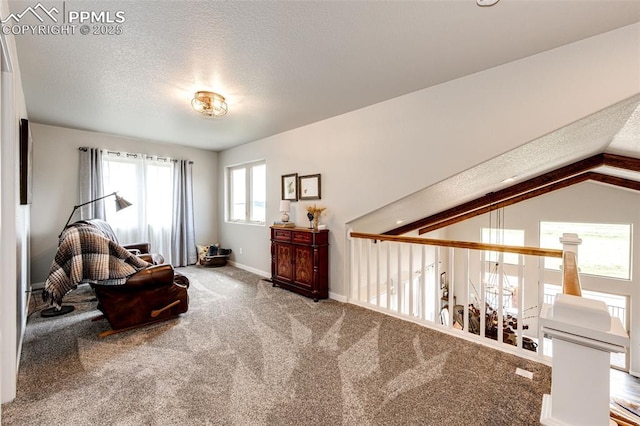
(313, 213)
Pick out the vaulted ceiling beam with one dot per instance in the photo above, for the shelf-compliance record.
(509, 201)
(550, 181)
(622, 162)
(611, 180)
(494, 197)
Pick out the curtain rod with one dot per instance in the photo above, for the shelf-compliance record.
(134, 155)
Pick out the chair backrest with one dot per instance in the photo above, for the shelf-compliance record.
(104, 227)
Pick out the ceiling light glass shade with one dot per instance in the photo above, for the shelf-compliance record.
(210, 104)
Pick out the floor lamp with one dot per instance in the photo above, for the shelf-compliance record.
(121, 203)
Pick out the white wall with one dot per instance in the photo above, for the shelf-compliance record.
(55, 184)
(14, 221)
(376, 155)
(586, 203)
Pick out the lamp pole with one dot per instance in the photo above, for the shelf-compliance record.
(84, 204)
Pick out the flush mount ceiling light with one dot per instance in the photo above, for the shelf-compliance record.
(485, 3)
(210, 104)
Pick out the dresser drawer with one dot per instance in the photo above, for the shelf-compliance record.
(302, 237)
(282, 235)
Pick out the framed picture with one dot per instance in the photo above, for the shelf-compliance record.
(443, 280)
(309, 187)
(26, 162)
(290, 187)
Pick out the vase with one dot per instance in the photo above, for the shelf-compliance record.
(316, 217)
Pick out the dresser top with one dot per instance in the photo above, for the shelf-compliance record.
(299, 229)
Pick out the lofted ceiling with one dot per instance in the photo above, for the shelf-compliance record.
(614, 130)
(281, 64)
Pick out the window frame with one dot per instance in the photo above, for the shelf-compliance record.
(141, 221)
(249, 193)
(585, 269)
(500, 234)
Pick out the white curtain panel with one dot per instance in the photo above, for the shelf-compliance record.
(147, 182)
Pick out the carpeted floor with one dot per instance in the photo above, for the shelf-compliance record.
(249, 354)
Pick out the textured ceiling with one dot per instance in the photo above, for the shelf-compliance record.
(589, 136)
(280, 64)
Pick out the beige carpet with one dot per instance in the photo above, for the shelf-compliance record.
(249, 354)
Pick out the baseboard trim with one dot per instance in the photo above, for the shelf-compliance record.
(249, 269)
(337, 297)
(532, 356)
(334, 296)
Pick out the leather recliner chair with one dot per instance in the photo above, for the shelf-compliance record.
(155, 293)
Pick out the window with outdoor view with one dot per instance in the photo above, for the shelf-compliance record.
(246, 193)
(508, 237)
(605, 250)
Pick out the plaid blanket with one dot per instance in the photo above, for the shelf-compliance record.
(86, 255)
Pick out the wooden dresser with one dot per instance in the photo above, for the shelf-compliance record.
(300, 261)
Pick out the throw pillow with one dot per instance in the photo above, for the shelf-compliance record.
(202, 252)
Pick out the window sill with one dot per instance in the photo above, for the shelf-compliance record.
(237, 222)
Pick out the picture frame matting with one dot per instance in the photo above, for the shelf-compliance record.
(289, 187)
(309, 187)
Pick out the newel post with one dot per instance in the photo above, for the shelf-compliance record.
(570, 242)
(584, 336)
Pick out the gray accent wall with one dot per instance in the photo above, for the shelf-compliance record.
(55, 184)
(377, 155)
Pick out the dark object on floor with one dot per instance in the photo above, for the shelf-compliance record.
(218, 259)
(53, 312)
(213, 250)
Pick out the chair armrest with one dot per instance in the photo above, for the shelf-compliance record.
(154, 259)
(152, 276)
(180, 280)
(143, 247)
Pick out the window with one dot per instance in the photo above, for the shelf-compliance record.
(605, 250)
(146, 182)
(246, 193)
(507, 237)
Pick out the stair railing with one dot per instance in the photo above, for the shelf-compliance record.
(447, 285)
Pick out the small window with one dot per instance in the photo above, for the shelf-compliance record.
(246, 193)
(507, 237)
(605, 250)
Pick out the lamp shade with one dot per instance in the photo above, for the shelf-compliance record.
(121, 203)
(285, 206)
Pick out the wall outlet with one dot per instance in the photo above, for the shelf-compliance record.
(524, 373)
(240, 250)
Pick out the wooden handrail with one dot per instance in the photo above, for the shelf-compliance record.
(570, 278)
(534, 251)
